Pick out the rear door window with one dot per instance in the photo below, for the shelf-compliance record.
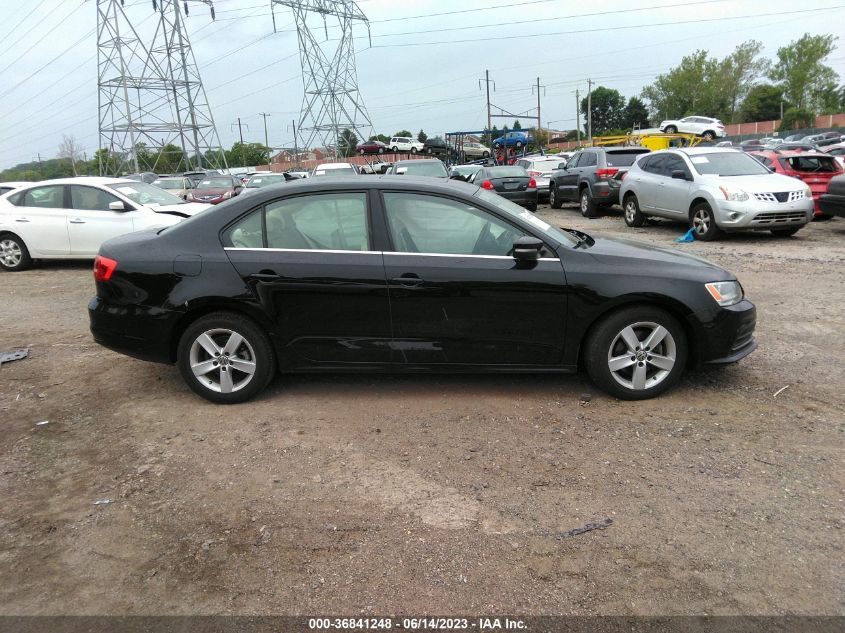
(49, 197)
(588, 159)
(332, 221)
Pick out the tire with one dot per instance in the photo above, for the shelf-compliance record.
(14, 255)
(360, 151)
(554, 198)
(822, 217)
(633, 216)
(702, 220)
(381, 150)
(531, 206)
(394, 149)
(621, 336)
(671, 129)
(518, 144)
(413, 150)
(217, 330)
(786, 232)
(708, 135)
(485, 154)
(587, 205)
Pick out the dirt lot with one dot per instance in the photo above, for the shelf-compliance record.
(445, 494)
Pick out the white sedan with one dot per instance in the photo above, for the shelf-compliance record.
(69, 218)
(700, 125)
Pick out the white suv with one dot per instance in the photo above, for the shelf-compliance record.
(405, 144)
(700, 125)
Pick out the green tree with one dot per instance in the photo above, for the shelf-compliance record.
(800, 72)
(380, 137)
(422, 137)
(403, 133)
(250, 154)
(796, 118)
(737, 74)
(346, 143)
(762, 103)
(608, 110)
(635, 114)
(517, 125)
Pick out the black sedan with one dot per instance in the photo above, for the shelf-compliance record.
(509, 181)
(407, 274)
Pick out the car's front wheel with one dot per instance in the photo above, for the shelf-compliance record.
(708, 135)
(703, 223)
(636, 353)
(14, 255)
(633, 215)
(554, 197)
(670, 129)
(225, 358)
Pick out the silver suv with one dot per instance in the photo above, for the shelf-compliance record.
(715, 190)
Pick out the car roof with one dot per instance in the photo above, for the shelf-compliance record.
(83, 180)
(333, 165)
(697, 151)
(416, 160)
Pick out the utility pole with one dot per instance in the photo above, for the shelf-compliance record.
(295, 144)
(578, 115)
(40, 172)
(241, 135)
(539, 118)
(266, 138)
(487, 86)
(590, 110)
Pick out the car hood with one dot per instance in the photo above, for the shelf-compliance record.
(186, 210)
(762, 183)
(638, 256)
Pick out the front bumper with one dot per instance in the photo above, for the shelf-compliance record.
(762, 216)
(832, 204)
(727, 333)
(136, 331)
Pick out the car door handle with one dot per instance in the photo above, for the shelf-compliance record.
(21, 220)
(408, 279)
(77, 221)
(265, 276)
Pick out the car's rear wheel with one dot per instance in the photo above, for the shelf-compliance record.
(518, 144)
(225, 358)
(531, 206)
(485, 154)
(633, 215)
(588, 207)
(786, 232)
(670, 129)
(554, 198)
(636, 353)
(360, 151)
(708, 135)
(394, 149)
(703, 223)
(14, 255)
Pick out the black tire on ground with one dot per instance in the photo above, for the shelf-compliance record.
(532, 206)
(670, 129)
(485, 154)
(702, 220)
(786, 232)
(587, 205)
(822, 217)
(708, 135)
(640, 378)
(14, 255)
(633, 216)
(554, 198)
(216, 331)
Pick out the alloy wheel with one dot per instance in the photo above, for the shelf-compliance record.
(585, 202)
(10, 253)
(701, 220)
(222, 360)
(630, 211)
(642, 355)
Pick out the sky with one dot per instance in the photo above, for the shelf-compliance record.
(420, 69)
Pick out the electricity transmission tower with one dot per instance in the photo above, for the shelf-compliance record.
(152, 104)
(331, 100)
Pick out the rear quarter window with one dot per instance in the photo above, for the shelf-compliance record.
(622, 159)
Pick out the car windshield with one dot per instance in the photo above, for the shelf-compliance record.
(170, 183)
(256, 182)
(727, 164)
(622, 159)
(215, 183)
(425, 168)
(339, 171)
(514, 210)
(506, 171)
(142, 193)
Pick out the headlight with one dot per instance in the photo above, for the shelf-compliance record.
(731, 193)
(726, 293)
(808, 193)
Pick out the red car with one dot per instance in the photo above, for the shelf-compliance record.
(215, 189)
(814, 168)
(371, 147)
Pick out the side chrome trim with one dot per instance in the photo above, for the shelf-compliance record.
(314, 250)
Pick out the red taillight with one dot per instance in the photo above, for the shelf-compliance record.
(103, 268)
(606, 173)
(532, 184)
(487, 185)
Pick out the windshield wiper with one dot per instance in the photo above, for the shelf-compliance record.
(582, 238)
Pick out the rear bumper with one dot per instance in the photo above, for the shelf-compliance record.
(136, 331)
(832, 204)
(606, 192)
(523, 198)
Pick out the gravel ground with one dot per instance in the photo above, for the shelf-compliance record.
(431, 494)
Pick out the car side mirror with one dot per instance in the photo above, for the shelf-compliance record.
(562, 165)
(117, 205)
(680, 174)
(527, 249)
